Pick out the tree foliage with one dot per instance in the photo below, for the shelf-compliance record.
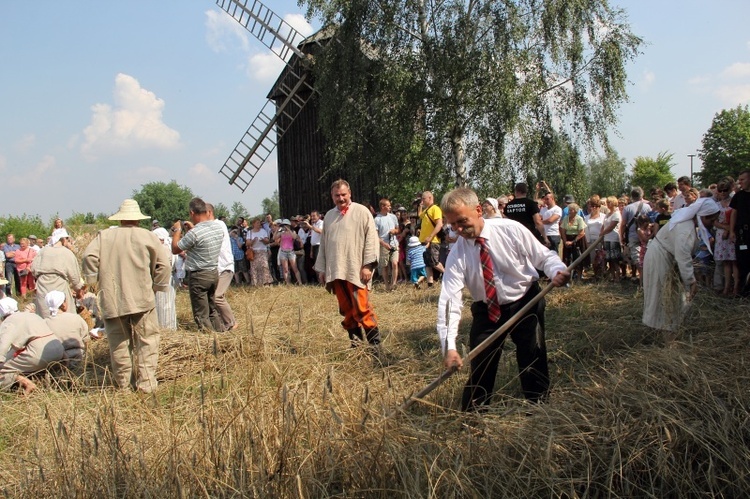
(165, 202)
(608, 174)
(237, 210)
(271, 205)
(650, 173)
(24, 226)
(726, 145)
(467, 91)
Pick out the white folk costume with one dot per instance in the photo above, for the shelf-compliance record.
(55, 268)
(664, 286)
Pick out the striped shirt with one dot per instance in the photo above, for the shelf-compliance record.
(202, 244)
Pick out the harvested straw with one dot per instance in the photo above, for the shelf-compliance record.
(284, 408)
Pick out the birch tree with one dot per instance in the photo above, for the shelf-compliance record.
(453, 92)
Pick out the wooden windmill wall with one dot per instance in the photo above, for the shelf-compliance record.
(304, 183)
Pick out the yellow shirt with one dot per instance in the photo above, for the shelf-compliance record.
(436, 214)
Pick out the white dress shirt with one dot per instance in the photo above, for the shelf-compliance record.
(515, 253)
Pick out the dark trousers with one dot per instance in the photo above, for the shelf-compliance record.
(202, 287)
(14, 280)
(531, 352)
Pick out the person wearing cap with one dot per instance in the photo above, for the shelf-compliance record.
(56, 268)
(27, 346)
(69, 327)
(348, 255)
(33, 243)
(129, 264)
(496, 260)
(415, 260)
(202, 244)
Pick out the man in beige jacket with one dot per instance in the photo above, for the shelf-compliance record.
(129, 265)
(347, 256)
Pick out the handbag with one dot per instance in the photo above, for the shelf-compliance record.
(250, 254)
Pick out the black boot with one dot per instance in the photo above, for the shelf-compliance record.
(355, 335)
(373, 336)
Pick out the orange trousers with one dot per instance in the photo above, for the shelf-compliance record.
(354, 305)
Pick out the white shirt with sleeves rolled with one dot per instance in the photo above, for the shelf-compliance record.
(515, 253)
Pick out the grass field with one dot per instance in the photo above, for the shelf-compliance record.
(282, 407)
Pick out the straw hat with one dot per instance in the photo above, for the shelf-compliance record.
(129, 210)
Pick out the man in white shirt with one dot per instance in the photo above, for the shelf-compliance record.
(683, 184)
(226, 274)
(551, 215)
(316, 230)
(515, 254)
(387, 225)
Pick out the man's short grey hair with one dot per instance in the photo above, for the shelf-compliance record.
(197, 206)
(636, 194)
(462, 196)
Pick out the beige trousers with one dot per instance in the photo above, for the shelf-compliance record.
(220, 300)
(134, 350)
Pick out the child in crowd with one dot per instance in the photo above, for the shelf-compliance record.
(643, 224)
(663, 216)
(703, 262)
(415, 261)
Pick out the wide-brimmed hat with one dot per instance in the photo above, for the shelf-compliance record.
(413, 241)
(286, 222)
(129, 210)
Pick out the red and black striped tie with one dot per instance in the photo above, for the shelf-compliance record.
(493, 306)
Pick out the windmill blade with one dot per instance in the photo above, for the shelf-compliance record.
(258, 142)
(282, 39)
(272, 31)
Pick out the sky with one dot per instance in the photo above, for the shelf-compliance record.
(99, 98)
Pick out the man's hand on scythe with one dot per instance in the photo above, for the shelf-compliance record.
(452, 361)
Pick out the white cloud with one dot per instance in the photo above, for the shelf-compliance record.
(33, 175)
(264, 67)
(734, 94)
(26, 142)
(738, 70)
(224, 33)
(201, 173)
(298, 22)
(133, 122)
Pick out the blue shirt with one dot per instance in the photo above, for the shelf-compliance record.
(415, 257)
(9, 248)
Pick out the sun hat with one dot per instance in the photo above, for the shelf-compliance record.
(413, 241)
(286, 222)
(129, 210)
(8, 306)
(58, 234)
(569, 199)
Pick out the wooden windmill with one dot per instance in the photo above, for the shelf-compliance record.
(289, 120)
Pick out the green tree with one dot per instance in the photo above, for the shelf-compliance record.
(165, 202)
(271, 205)
(24, 226)
(237, 210)
(726, 145)
(221, 210)
(80, 223)
(608, 174)
(558, 163)
(458, 92)
(650, 173)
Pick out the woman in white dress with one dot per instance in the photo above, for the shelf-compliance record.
(667, 289)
